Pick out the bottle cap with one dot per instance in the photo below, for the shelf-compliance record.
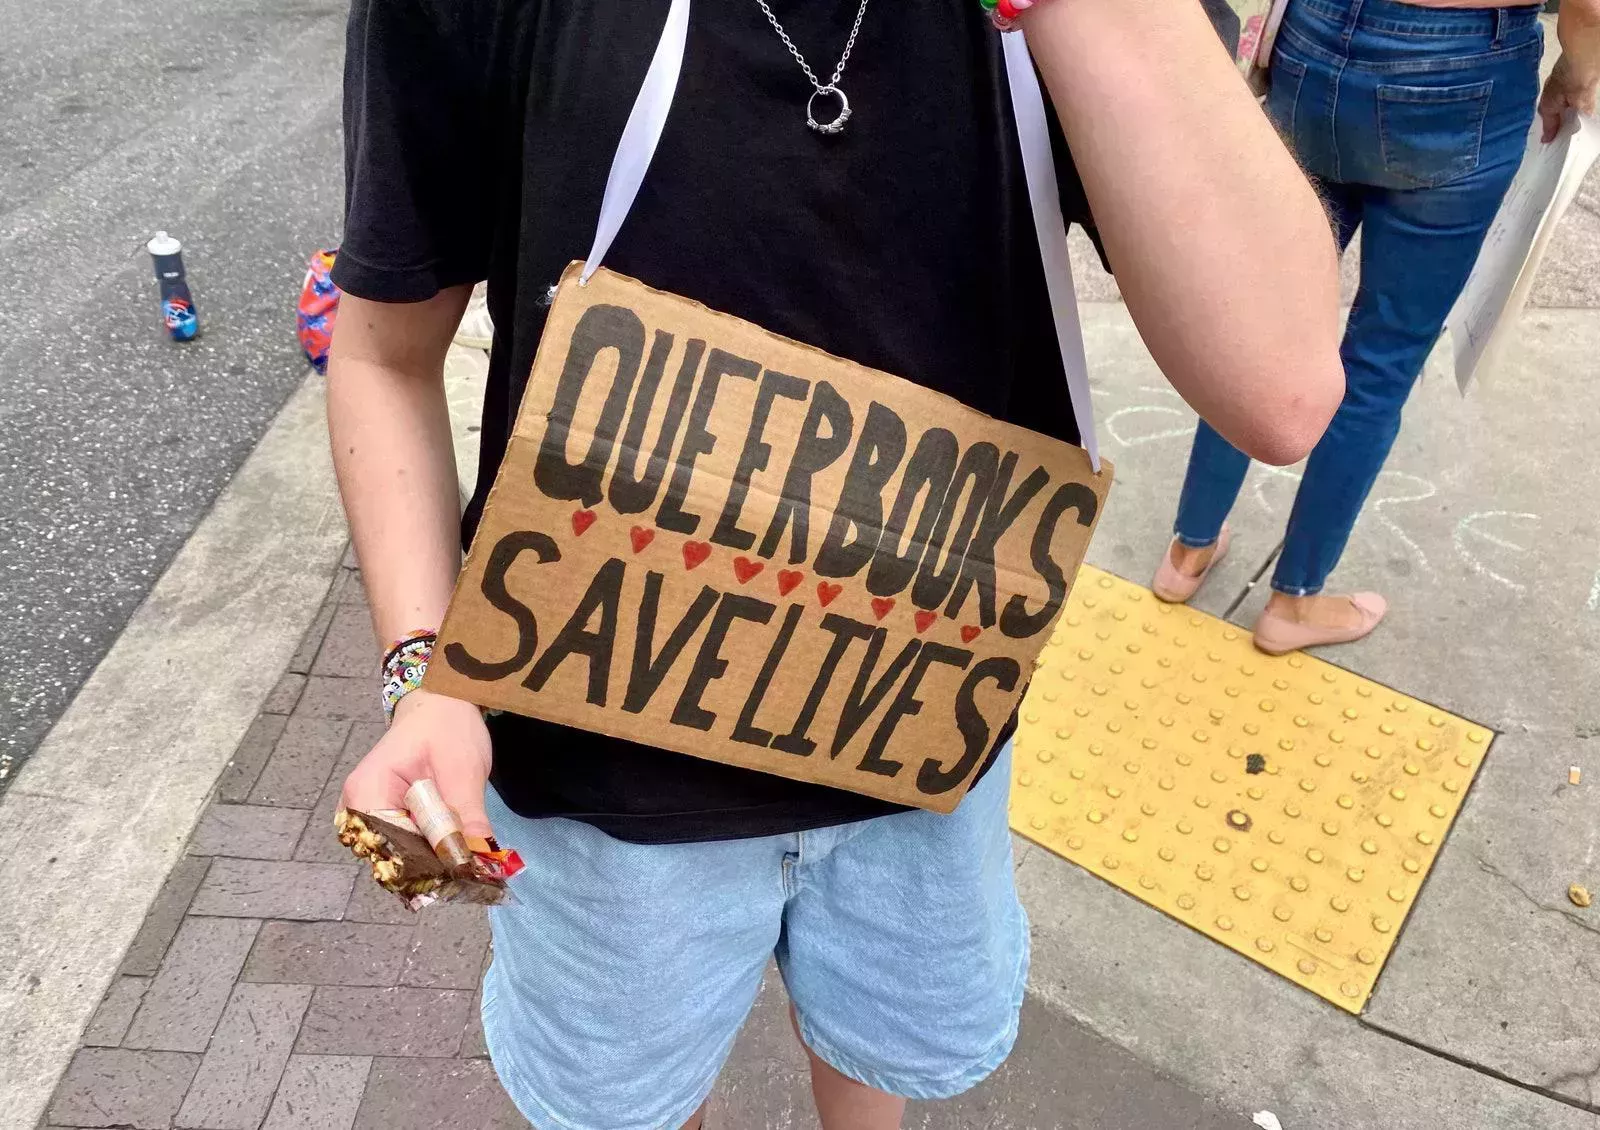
(163, 244)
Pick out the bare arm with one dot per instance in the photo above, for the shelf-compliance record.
(1220, 245)
(390, 430)
(389, 426)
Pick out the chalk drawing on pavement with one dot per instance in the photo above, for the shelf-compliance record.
(1422, 490)
(1393, 487)
(1470, 529)
(1179, 417)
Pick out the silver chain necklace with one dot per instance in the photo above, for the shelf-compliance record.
(821, 89)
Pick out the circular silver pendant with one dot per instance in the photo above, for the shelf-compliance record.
(844, 110)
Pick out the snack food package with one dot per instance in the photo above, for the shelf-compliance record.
(421, 855)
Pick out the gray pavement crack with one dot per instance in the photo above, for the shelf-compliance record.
(39, 794)
(1584, 968)
(1548, 1090)
(1255, 579)
(1538, 904)
(1587, 1076)
(1555, 1088)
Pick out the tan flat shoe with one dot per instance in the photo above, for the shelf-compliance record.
(1175, 586)
(1277, 635)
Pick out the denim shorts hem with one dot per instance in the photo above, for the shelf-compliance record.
(595, 1069)
(543, 1118)
(540, 1114)
(944, 1087)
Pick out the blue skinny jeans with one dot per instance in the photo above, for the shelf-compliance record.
(1411, 123)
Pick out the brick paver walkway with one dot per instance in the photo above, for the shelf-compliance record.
(272, 985)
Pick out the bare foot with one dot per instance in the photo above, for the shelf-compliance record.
(1191, 562)
(1320, 611)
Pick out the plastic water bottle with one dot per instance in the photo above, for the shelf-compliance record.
(177, 304)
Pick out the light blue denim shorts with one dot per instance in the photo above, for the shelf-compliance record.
(624, 972)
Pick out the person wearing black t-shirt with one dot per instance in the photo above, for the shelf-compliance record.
(480, 134)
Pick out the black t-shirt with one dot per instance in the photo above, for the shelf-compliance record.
(479, 134)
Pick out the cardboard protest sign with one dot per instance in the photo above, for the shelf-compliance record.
(711, 539)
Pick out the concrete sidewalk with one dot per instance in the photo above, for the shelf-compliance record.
(1483, 533)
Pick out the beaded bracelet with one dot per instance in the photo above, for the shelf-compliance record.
(403, 667)
(1003, 13)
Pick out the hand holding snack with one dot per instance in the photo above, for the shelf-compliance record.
(427, 859)
(396, 809)
(432, 738)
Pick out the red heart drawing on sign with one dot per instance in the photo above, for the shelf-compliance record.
(744, 568)
(695, 553)
(787, 579)
(641, 537)
(924, 619)
(826, 592)
(582, 520)
(881, 606)
(969, 632)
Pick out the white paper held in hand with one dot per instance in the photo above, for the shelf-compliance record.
(1484, 319)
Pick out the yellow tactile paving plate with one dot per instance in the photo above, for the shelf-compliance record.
(1133, 759)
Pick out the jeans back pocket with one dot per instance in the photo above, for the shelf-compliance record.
(1431, 134)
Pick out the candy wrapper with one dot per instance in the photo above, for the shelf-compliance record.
(422, 856)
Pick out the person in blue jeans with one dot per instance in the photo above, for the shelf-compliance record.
(1411, 121)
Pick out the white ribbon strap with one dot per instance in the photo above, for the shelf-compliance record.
(1039, 166)
(649, 116)
(640, 135)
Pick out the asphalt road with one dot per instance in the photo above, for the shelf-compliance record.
(220, 124)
